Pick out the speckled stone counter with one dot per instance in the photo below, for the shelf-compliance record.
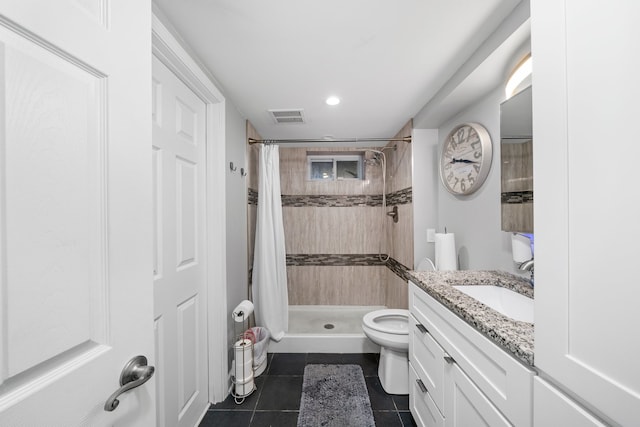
(513, 336)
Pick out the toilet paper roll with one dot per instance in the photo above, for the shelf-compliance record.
(520, 248)
(446, 258)
(244, 359)
(244, 388)
(242, 312)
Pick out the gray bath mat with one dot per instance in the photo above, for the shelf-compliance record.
(334, 396)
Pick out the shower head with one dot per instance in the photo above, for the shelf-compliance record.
(375, 159)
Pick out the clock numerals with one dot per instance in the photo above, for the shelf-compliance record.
(461, 134)
(450, 151)
(471, 178)
(465, 158)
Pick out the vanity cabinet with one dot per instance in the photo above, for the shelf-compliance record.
(457, 376)
(585, 172)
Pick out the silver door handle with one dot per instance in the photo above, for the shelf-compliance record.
(421, 385)
(135, 373)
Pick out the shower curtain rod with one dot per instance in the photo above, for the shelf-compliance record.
(287, 141)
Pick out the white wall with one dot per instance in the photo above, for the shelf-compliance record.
(424, 146)
(475, 219)
(236, 209)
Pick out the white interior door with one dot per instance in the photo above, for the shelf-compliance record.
(75, 202)
(179, 127)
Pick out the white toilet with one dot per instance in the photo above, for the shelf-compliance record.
(389, 329)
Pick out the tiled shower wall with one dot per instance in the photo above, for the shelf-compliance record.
(334, 230)
(324, 222)
(399, 182)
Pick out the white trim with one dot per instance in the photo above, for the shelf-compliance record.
(169, 51)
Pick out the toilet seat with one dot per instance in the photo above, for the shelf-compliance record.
(390, 321)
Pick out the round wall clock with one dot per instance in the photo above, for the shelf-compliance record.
(465, 159)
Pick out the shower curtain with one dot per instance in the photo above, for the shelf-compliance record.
(270, 295)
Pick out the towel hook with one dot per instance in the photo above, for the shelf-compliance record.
(232, 167)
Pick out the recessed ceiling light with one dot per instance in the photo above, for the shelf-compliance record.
(333, 100)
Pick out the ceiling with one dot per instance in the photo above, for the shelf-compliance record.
(384, 59)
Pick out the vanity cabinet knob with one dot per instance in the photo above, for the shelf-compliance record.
(421, 385)
(449, 359)
(421, 328)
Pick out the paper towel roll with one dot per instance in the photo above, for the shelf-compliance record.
(242, 311)
(520, 248)
(446, 258)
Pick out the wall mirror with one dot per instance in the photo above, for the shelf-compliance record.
(516, 155)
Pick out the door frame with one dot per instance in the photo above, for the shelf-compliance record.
(171, 53)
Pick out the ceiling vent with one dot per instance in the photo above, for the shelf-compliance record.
(287, 116)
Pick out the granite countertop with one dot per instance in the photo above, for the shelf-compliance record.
(513, 336)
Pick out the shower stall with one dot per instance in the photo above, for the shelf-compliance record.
(345, 254)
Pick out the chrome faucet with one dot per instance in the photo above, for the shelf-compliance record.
(527, 266)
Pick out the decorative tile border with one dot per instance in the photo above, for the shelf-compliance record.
(400, 197)
(334, 259)
(252, 197)
(364, 260)
(400, 270)
(341, 260)
(331, 201)
(517, 197)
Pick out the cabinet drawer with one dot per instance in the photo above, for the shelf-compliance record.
(504, 380)
(467, 405)
(427, 358)
(422, 407)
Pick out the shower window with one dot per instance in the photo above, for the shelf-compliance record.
(332, 167)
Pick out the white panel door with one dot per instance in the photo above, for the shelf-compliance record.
(585, 106)
(179, 262)
(465, 405)
(75, 238)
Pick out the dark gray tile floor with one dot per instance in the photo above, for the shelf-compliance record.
(276, 401)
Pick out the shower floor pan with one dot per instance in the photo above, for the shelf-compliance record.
(326, 329)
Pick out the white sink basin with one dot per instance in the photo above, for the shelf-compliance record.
(502, 300)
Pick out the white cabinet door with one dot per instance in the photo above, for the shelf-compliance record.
(552, 408)
(466, 405)
(585, 110)
(75, 209)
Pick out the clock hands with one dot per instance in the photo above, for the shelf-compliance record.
(454, 160)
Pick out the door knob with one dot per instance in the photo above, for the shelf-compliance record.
(135, 373)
